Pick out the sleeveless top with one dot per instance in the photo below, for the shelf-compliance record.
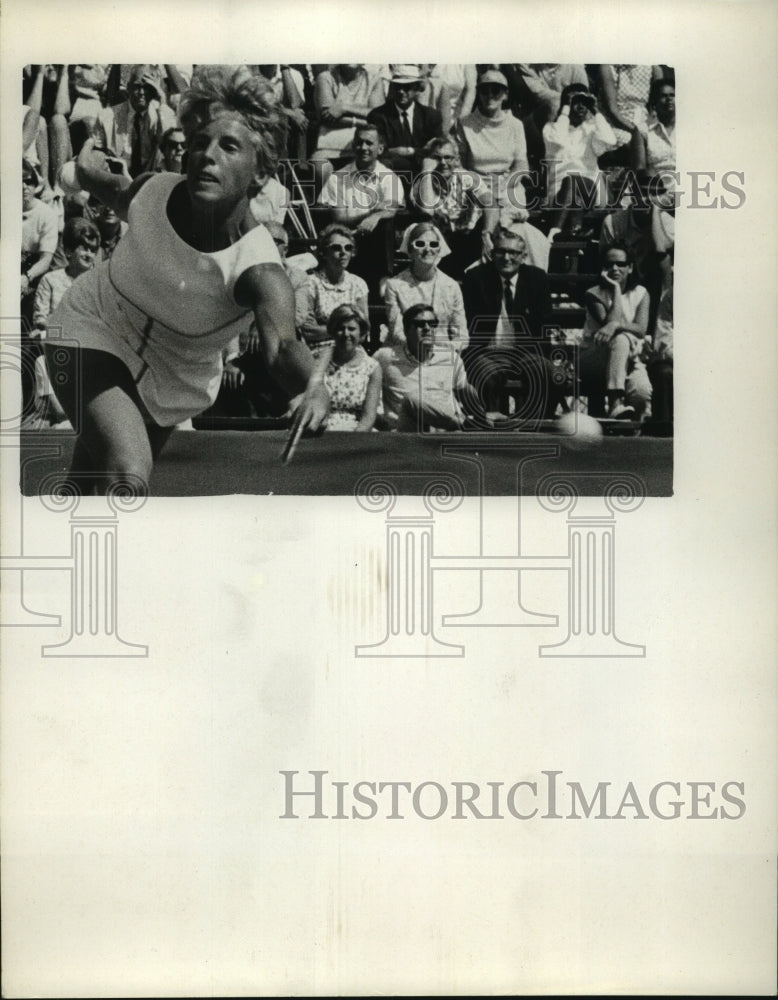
(162, 307)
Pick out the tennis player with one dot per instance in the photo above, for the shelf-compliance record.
(192, 270)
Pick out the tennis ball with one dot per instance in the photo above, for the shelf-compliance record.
(580, 431)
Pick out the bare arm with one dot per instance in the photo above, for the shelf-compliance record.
(176, 81)
(266, 289)
(370, 406)
(637, 150)
(467, 97)
(610, 101)
(32, 116)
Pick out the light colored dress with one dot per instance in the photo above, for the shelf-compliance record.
(162, 307)
(347, 385)
(319, 297)
(440, 292)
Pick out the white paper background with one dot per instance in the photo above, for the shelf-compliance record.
(142, 849)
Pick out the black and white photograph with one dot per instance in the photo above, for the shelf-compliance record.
(379, 613)
(479, 250)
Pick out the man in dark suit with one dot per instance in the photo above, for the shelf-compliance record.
(407, 125)
(507, 304)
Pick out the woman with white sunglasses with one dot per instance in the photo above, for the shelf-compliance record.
(424, 282)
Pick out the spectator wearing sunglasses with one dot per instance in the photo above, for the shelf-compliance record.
(133, 129)
(613, 341)
(424, 282)
(444, 192)
(407, 125)
(331, 285)
(423, 381)
(493, 144)
(172, 146)
(367, 195)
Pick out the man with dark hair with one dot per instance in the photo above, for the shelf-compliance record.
(423, 381)
(172, 146)
(366, 195)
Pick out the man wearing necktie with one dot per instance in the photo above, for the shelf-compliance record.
(507, 304)
(407, 125)
(133, 130)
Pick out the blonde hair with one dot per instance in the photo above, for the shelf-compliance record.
(218, 90)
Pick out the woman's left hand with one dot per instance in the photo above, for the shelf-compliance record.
(608, 280)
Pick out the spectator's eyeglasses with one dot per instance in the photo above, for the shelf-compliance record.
(345, 247)
(423, 245)
(492, 89)
(422, 324)
(505, 252)
(175, 144)
(618, 263)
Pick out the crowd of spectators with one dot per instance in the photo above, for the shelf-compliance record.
(468, 245)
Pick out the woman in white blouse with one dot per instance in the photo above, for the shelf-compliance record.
(424, 282)
(331, 285)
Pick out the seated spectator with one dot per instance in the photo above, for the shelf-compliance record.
(536, 244)
(172, 147)
(507, 303)
(331, 285)
(423, 381)
(544, 84)
(367, 195)
(133, 130)
(40, 234)
(648, 232)
(660, 365)
(81, 245)
(444, 191)
(110, 227)
(343, 96)
(457, 81)
(537, 90)
(352, 378)
(297, 277)
(653, 145)
(423, 282)
(289, 88)
(624, 90)
(406, 125)
(88, 81)
(573, 143)
(613, 338)
(492, 143)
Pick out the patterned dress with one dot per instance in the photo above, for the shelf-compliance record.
(322, 297)
(347, 386)
(632, 84)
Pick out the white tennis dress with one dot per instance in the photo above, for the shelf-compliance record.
(162, 307)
